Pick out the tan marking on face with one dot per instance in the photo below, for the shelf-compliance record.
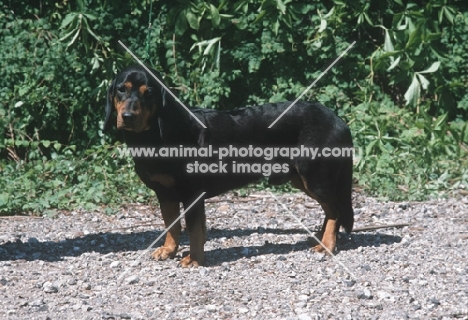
(128, 84)
(142, 89)
(119, 107)
(142, 115)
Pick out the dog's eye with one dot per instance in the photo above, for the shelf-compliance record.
(149, 90)
(121, 89)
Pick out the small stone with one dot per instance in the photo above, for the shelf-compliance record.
(49, 287)
(135, 263)
(37, 303)
(115, 264)
(366, 267)
(300, 304)
(132, 279)
(434, 301)
(303, 297)
(367, 295)
(86, 308)
(423, 283)
(320, 257)
(223, 208)
(350, 283)
(243, 310)
(382, 295)
(211, 308)
(203, 271)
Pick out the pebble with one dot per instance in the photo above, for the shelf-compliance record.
(132, 279)
(366, 294)
(49, 287)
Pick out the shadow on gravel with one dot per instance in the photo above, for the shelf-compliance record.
(111, 242)
(345, 242)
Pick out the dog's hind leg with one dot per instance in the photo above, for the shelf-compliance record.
(332, 189)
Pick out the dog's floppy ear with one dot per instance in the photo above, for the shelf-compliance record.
(161, 93)
(109, 107)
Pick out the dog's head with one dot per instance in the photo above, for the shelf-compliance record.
(136, 97)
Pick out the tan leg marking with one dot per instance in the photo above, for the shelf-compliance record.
(329, 236)
(197, 234)
(170, 212)
(329, 231)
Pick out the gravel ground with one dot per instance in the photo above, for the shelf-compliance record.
(86, 265)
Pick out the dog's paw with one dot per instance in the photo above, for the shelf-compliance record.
(163, 253)
(187, 262)
(320, 248)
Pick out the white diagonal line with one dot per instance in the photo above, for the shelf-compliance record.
(313, 236)
(313, 83)
(162, 84)
(165, 231)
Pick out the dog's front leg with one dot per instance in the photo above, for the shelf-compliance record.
(170, 212)
(195, 220)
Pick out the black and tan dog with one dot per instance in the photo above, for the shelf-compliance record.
(152, 118)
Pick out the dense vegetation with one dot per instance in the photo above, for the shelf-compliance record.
(402, 88)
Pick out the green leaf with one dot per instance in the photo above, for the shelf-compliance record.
(414, 38)
(323, 25)
(394, 63)
(181, 23)
(260, 16)
(370, 146)
(192, 20)
(413, 92)
(388, 45)
(67, 20)
(4, 198)
(281, 6)
(215, 18)
(329, 14)
(276, 26)
(424, 82)
(449, 13)
(433, 68)
(441, 120)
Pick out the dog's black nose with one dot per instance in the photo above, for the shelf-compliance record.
(128, 117)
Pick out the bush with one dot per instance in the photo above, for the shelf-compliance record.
(402, 88)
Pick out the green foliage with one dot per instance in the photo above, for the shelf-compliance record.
(66, 181)
(410, 157)
(402, 88)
